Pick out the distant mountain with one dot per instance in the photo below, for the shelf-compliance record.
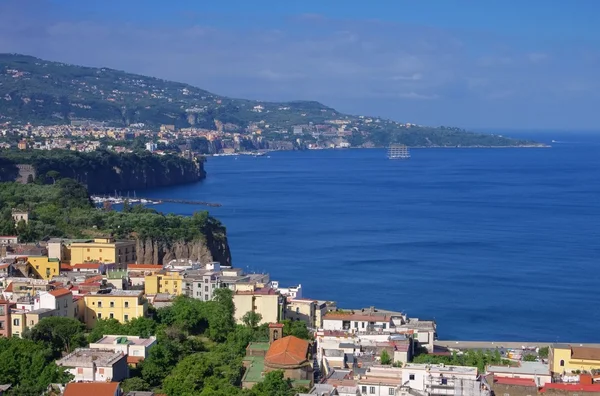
(37, 91)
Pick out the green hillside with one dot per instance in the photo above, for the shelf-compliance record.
(41, 92)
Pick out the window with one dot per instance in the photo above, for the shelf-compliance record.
(126, 304)
(79, 370)
(205, 288)
(199, 284)
(88, 249)
(100, 258)
(100, 250)
(166, 282)
(562, 363)
(391, 391)
(66, 304)
(99, 304)
(297, 310)
(364, 389)
(126, 317)
(444, 381)
(411, 377)
(206, 297)
(37, 267)
(99, 315)
(198, 294)
(372, 390)
(2, 325)
(112, 304)
(363, 325)
(111, 315)
(16, 322)
(206, 280)
(384, 325)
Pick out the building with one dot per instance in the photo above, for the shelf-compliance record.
(33, 317)
(288, 354)
(165, 281)
(265, 301)
(121, 305)
(5, 318)
(538, 372)
(560, 389)
(9, 240)
(102, 250)
(302, 309)
(507, 386)
(429, 379)
(292, 291)
(151, 146)
(566, 359)
(380, 380)
(93, 388)
(20, 215)
(136, 348)
(44, 267)
(95, 365)
(93, 268)
(61, 300)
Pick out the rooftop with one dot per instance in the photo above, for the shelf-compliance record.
(263, 291)
(255, 369)
(535, 368)
(515, 381)
(571, 387)
(91, 388)
(287, 351)
(443, 369)
(60, 292)
(121, 339)
(585, 353)
(88, 357)
(258, 346)
(117, 293)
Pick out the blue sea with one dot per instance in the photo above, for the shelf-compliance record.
(494, 244)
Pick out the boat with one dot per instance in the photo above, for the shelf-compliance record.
(398, 151)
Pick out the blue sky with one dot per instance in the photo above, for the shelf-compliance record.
(476, 64)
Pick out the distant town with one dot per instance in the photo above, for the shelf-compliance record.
(347, 350)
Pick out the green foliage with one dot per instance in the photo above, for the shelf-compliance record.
(64, 210)
(544, 352)
(135, 384)
(251, 319)
(530, 358)
(273, 384)
(141, 327)
(473, 358)
(28, 366)
(62, 334)
(385, 357)
(296, 328)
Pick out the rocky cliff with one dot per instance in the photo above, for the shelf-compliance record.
(203, 250)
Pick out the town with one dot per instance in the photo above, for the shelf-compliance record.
(348, 351)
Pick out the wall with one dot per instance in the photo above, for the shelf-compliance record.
(266, 305)
(5, 319)
(17, 324)
(43, 267)
(119, 309)
(301, 310)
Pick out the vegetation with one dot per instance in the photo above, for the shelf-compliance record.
(474, 358)
(385, 357)
(544, 352)
(43, 92)
(530, 358)
(102, 171)
(199, 351)
(64, 209)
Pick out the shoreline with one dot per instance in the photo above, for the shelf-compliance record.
(455, 344)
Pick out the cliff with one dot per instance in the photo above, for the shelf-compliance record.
(202, 250)
(101, 171)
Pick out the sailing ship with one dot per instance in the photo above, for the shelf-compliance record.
(398, 151)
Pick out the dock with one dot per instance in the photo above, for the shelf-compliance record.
(150, 201)
(188, 202)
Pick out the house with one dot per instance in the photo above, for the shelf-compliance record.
(44, 267)
(9, 239)
(264, 301)
(87, 364)
(165, 281)
(20, 215)
(61, 300)
(538, 372)
(566, 359)
(509, 386)
(93, 268)
(289, 354)
(93, 389)
(302, 309)
(136, 348)
(5, 318)
(426, 379)
(380, 380)
(33, 317)
(102, 250)
(121, 305)
(136, 273)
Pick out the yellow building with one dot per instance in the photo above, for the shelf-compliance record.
(18, 320)
(265, 302)
(565, 359)
(102, 250)
(44, 267)
(170, 282)
(122, 305)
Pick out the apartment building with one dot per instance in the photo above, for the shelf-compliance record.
(264, 301)
(136, 348)
(95, 365)
(121, 305)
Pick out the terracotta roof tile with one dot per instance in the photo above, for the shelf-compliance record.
(287, 351)
(571, 387)
(585, 353)
(60, 292)
(91, 388)
(514, 381)
(134, 359)
(9, 288)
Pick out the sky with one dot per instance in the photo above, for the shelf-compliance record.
(507, 64)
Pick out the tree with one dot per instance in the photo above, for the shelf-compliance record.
(385, 357)
(544, 352)
(104, 327)
(273, 384)
(53, 175)
(530, 358)
(252, 319)
(187, 378)
(296, 328)
(135, 384)
(63, 334)
(141, 327)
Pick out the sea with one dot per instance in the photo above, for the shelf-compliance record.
(493, 244)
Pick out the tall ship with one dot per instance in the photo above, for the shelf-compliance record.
(398, 151)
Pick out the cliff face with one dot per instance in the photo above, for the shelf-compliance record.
(202, 250)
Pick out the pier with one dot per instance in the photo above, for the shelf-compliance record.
(188, 202)
(150, 201)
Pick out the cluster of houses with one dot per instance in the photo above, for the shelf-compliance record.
(364, 351)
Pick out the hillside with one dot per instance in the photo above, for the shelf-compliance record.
(41, 92)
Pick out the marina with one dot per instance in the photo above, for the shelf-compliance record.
(117, 200)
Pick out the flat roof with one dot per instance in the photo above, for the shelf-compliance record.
(123, 339)
(255, 369)
(259, 346)
(117, 293)
(88, 357)
(438, 368)
(534, 368)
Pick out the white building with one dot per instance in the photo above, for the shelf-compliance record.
(151, 146)
(427, 379)
(292, 291)
(135, 347)
(95, 365)
(537, 371)
(60, 299)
